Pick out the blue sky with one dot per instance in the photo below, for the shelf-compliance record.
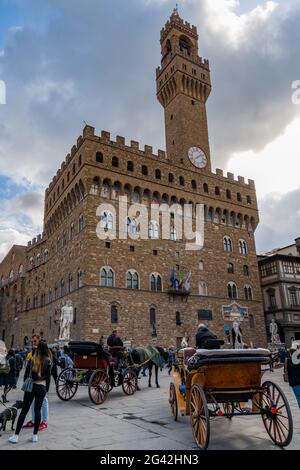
(66, 61)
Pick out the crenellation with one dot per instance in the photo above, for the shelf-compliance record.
(135, 145)
(219, 173)
(251, 184)
(79, 141)
(88, 131)
(162, 154)
(73, 150)
(120, 141)
(148, 149)
(230, 176)
(241, 179)
(105, 136)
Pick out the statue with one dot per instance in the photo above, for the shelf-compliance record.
(66, 318)
(238, 338)
(273, 329)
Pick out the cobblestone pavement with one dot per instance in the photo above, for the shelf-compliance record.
(142, 422)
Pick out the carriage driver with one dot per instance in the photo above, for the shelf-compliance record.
(115, 345)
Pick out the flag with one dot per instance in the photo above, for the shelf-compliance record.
(187, 284)
(172, 278)
(182, 276)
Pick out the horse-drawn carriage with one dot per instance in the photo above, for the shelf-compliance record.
(97, 370)
(223, 382)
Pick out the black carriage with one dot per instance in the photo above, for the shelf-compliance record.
(93, 368)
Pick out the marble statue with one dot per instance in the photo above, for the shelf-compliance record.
(66, 319)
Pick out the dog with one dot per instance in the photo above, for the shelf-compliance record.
(10, 414)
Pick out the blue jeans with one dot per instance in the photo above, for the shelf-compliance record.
(296, 391)
(45, 410)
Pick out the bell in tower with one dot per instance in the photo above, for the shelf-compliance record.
(183, 87)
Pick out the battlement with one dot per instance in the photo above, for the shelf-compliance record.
(36, 241)
(177, 22)
(231, 178)
(201, 61)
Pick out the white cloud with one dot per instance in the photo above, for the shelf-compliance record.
(276, 168)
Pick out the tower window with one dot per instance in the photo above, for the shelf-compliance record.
(193, 102)
(228, 194)
(239, 197)
(171, 178)
(99, 157)
(115, 162)
(185, 45)
(183, 66)
(249, 201)
(172, 117)
(144, 170)
(130, 166)
(194, 184)
(205, 188)
(217, 191)
(158, 174)
(181, 180)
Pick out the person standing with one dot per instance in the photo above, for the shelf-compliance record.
(9, 380)
(39, 369)
(292, 372)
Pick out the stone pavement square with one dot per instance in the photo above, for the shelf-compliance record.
(143, 422)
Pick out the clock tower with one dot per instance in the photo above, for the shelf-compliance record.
(183, 87)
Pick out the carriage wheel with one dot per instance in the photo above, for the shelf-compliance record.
(199, 417)
(228, 409)
(98, 387)
(173, 402)
(66, 388)
(276, 414)
(130, 382)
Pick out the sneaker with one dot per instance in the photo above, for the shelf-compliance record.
(30, 424)
(43, 426)
(13, 439)
(34, 438)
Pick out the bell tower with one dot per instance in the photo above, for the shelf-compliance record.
(183, 87)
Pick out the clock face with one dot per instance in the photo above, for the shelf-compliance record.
(197, 157)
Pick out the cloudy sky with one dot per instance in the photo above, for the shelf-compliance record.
(65, 61)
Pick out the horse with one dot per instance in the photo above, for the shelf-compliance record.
(136, 359)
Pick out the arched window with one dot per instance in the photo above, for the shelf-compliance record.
(178, 319)
(130, 166)
(232, 290)
(156, 283)
(217, 191)
(181, 180)
(239, 197)
(152, 316)
(158, 174)
(115, 162)
(107, 220)
(46, 256)
(144, 170)
(107, 277)
(227, 244)
(72, 231)
(154, 231)
(185, 45)
(203, 291)
(243, 247)
(230, 268)
(132, 280)
(79, 279)
(171, 178)
(70, 283)
(228, 194)
(248, 293)
(131, 226)
(246, 270)
(194, 184)
(249, 200)
(81, 223)
(99, 157)
(114, 314)
(205, 188)
(38, 260)
(173, 234)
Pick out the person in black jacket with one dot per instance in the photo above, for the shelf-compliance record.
(9, 380)
(292, 369)
(39, 369)
(203, 334)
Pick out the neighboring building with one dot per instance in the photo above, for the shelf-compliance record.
(280, 281)
(12, 294)
(126, 283)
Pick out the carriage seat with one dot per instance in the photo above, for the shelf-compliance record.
(186, 354)
(222, 356)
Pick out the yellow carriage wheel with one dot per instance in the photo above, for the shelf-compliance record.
(199, 417)
(173, 402)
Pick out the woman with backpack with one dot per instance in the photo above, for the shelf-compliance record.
(8, 379)
(36, 385)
